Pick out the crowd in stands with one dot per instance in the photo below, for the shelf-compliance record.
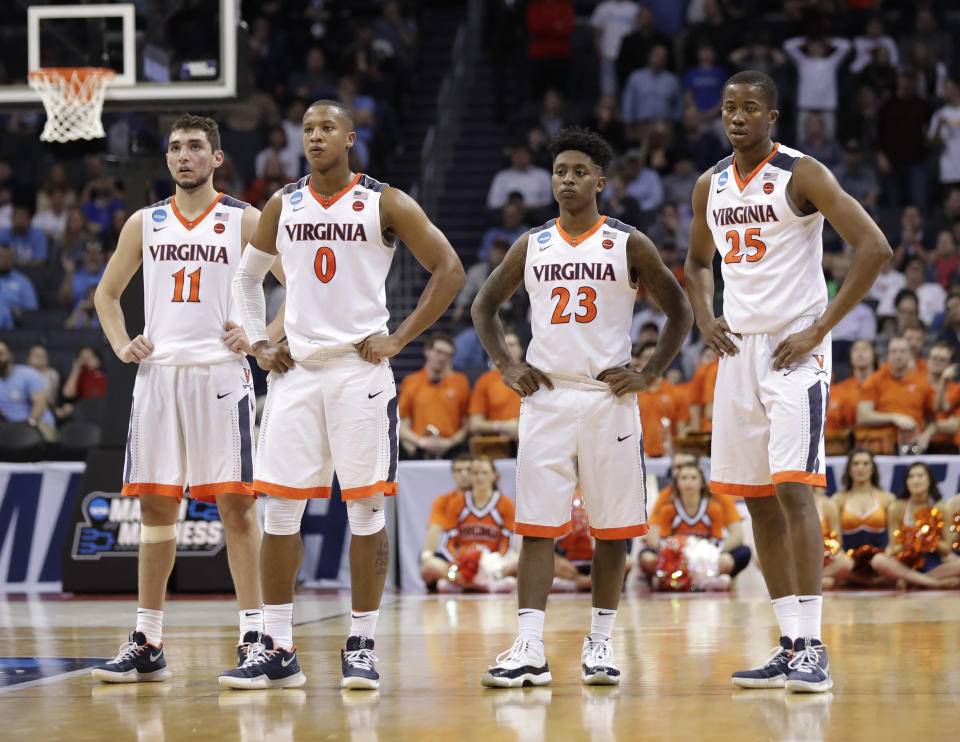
(871, 89)
(61, 212)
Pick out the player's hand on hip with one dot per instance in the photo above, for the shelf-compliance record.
(377, 347)
(717, 336)
(235, 338)
(273, 357)
(136, 350)
(524, 379)
(795, 347)
(626, 380)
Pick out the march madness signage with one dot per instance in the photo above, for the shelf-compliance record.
(111, 528)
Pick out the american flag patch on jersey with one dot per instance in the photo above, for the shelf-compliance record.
(221, 216)
(362, 195)
(608, 233)
(770, 175)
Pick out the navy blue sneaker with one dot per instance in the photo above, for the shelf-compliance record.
(772, 673)
(356, 660)
(265, 667)
(136, 662)
(809, 668)
(250, 638)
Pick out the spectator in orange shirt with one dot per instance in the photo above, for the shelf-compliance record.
(659, 402)
(844, 395)
(947, 402)
(701, 390)
(692, 510)
(916, 336)
(495, 407)
(898, 397)
(433, 404)
(475, 513)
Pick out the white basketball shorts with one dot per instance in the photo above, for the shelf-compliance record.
(580, 430)
(768, 425)
(191, 426)
(339, 414)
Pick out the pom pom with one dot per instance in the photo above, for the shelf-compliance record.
(672, 574)
(831, 547)
(861, 557)
(467, 565)
(923, 537)
(703, 562)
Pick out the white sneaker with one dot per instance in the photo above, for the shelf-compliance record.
(596, 661)
(524, 664)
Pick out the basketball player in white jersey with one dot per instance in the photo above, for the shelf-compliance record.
(763, 209)
(579, 418)
(191, 420)
(332, 401)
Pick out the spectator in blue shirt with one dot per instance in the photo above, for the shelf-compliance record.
(652, 93)
(510, 229)
(28, 243)
(77, 280)
(100, 196)
(16, 292)
(703, 84)
(23, 395)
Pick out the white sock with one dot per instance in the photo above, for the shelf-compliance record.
(251, 620)
(810, 610)
(364, 623)
(601, 623)
(150, 623)
(531, 623)
(787, 609)
(278, 625)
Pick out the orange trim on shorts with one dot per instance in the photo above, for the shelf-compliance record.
(612, 534)
(290, 493)
(358, 493)
(135, 489)
(800, 477)
(526, 529)
(742, 490)
(209, 492)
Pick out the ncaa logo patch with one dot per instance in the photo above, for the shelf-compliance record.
(607, 244)
(159, 215)
(219, 228)
(358, 205)
(98, 508)
(296, 198)
(543, 238)
(768, 188)
(724, 177)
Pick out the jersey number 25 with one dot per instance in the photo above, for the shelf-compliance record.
(750, 239)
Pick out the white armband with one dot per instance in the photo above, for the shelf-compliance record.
(248, 292)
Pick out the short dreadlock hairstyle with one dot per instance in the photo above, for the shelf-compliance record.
(757, 79)
(583, 140)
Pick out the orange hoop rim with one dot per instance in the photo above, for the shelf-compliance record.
(61, 73)
(79, 84)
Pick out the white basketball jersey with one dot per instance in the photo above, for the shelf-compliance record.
(581, 298)
(336, 261)
(771, 252)
(188, 269)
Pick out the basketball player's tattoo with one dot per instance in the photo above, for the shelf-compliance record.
(383, 558)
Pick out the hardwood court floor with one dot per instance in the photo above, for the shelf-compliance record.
(896, 661)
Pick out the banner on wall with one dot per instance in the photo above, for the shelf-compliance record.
(49, 532)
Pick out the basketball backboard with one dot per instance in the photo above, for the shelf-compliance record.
(162, 51)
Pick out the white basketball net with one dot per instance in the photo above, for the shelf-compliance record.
(73, 98)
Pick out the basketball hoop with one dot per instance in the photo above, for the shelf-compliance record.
(73, 99)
